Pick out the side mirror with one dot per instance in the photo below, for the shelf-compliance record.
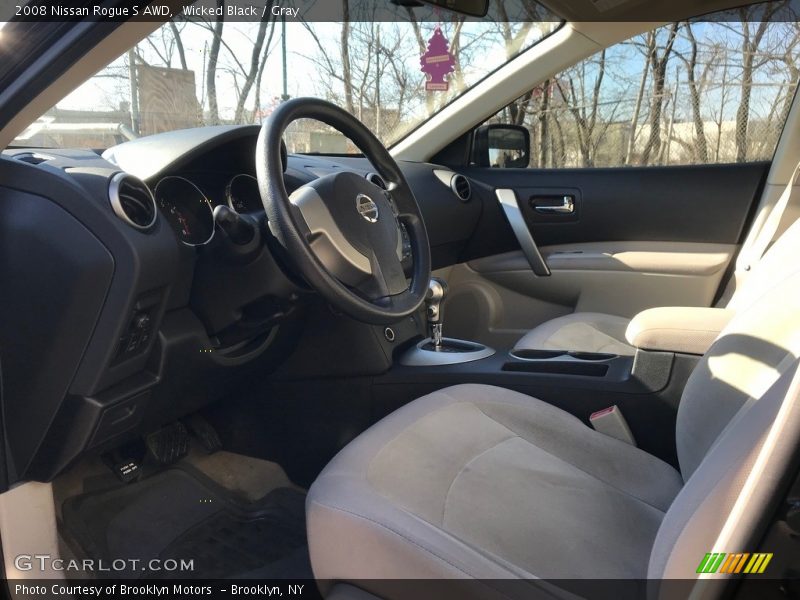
(501, 146)
(472, 8)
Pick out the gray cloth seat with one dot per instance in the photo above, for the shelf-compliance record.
(582, 332)
(481, 482)
(600, 332)
(469, 476)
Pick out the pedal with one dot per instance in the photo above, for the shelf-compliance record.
(126, 471)
(205, 433)
(124, 462)
(169, 444)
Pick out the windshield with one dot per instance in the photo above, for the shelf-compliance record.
(392, 67)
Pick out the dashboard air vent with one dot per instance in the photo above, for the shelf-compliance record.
(33, 158)
(377, 180)
(461, 187)
(132, 201)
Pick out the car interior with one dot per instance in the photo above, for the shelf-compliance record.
(447, 365)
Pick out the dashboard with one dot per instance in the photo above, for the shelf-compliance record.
(189, 210)
(144, 314)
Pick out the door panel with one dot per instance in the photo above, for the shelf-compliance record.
(664, 258)
(707, 204)
(635, 239)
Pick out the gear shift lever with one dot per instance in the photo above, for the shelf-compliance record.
(436, 350)
(437, 289)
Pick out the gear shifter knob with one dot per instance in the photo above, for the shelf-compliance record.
(437, 290)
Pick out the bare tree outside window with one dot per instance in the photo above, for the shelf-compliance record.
(198, 72)
(698, 92)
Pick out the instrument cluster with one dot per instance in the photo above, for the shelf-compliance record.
(190, 212)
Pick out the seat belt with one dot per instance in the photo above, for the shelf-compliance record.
(766, 236)
(611, 422)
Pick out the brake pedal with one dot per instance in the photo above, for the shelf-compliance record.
(205, 433)
(169, 444)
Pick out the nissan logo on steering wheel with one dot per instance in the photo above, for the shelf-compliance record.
(367, 208)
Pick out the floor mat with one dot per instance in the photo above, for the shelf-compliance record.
(180, 514)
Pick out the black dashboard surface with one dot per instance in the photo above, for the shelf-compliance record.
(79, 381)
(211, 156)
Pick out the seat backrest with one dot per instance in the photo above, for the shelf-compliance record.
(749, 354)
(753, 350)
(776, 263)
(720, 508)
(723, 413)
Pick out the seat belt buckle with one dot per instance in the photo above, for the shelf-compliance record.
(610, 422)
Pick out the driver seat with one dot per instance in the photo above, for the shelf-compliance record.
(475, 481)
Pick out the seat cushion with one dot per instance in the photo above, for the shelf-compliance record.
(478, 481)
(580, 332)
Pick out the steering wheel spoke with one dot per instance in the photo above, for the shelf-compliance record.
(389, 273)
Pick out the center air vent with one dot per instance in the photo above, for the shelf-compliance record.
(33, 158)
(376, 179)
(461, 187)
(132, 201)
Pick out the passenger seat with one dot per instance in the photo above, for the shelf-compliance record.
(598, 332)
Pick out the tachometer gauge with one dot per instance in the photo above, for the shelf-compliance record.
(186, 209)
(243, 195)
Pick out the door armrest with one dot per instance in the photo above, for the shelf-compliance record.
(683, 329)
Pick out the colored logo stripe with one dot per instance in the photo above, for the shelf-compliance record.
(758, 563)
(741, 562)
(734, 563)
(710, 562)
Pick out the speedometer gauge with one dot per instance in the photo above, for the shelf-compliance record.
(186, 209)
(243, 195)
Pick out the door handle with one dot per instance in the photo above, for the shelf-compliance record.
(567, 207)
(510, 205)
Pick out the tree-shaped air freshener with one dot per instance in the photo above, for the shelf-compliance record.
(437, 62)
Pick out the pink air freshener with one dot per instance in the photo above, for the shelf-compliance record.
(437, 62)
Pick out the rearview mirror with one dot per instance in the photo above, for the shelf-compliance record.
(501, 146)
(473, 8)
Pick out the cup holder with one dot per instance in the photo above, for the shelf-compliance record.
(559, 362)
(524, 354)
(592, 356)
(528, 355)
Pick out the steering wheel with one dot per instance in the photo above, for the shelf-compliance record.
(342, 231)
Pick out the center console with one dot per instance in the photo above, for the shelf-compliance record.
(645, 387)
(440, 357)
(368, 371)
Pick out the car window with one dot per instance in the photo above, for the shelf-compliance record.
(716, 90)
(363, 55)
